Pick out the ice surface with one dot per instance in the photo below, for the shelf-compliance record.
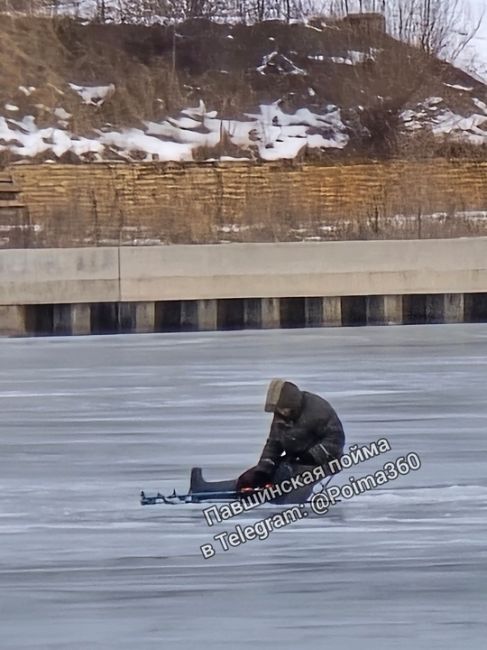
(88, 422)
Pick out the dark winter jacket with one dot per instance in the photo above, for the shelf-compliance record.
(313, 434)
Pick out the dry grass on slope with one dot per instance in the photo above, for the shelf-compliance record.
(157, 71)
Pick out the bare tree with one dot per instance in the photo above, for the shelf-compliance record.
(439, 27)
(185, 9)
(141, 12)
(101, 10)
(287, 10)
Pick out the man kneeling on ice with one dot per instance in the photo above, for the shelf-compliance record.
(305, 432)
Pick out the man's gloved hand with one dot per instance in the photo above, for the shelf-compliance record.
(253, 478)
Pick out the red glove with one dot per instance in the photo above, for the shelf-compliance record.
(252, 478)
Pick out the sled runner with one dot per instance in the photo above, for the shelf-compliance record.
(201, 490)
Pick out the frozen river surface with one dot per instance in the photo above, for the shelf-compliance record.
(87, 422)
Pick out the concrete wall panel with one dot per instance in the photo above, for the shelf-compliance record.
(54, 276)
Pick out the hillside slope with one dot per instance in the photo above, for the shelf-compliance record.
(75, 92)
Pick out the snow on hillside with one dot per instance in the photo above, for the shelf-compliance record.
(271, 134)
(94, 95)
(435, 115)
(281, 91)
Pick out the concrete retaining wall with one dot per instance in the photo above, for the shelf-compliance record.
(131, 274)
(59, 276)
(303, 270)
(96, 290)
